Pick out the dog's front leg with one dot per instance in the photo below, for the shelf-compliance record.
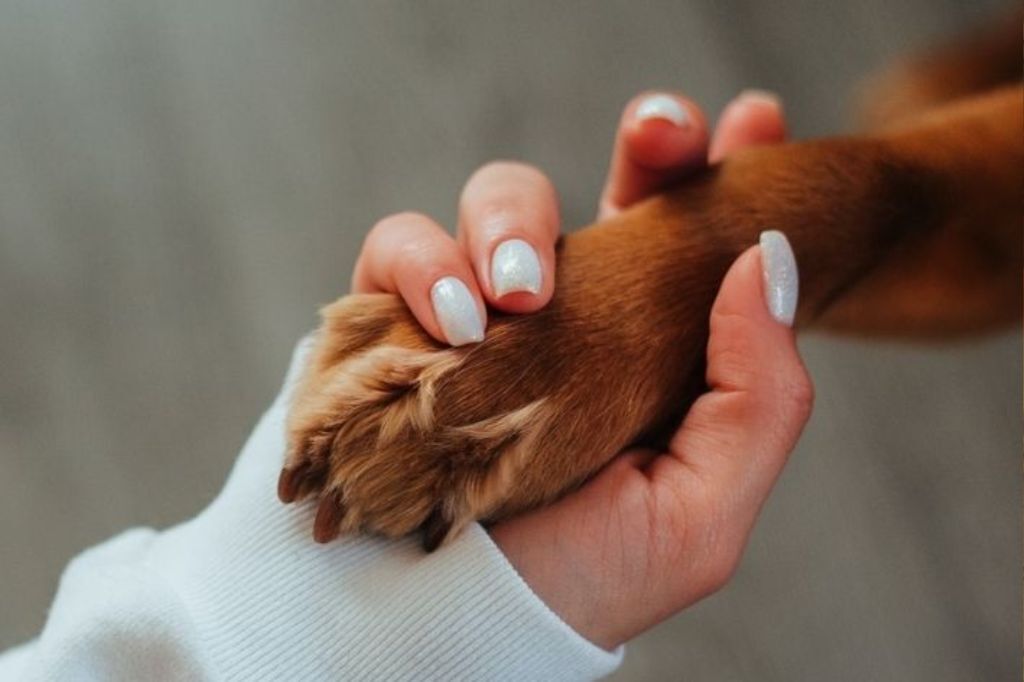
(911, 232)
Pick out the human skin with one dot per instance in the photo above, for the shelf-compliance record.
(653, 532)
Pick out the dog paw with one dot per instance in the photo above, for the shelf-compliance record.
(393, 432)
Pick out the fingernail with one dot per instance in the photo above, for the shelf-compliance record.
(781, 279)
(663, 107)
(456, 311)
(515, 267)
(762, 96)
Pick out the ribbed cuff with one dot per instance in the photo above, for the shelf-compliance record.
(269, 603)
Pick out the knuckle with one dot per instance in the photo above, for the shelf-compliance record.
(501, 211)
(406, 241)
(732, 350)
(418, 253)
(531, 174)
(398, 221)
(508, 196)
(718, 543)
(412, 232)
(515, 177)
(485, 179)
(512, 166)
(720, 569)
(798, 395)
(493, 167)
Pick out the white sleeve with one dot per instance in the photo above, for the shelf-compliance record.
(241, 592)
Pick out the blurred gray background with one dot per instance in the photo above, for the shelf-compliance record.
(183, 183)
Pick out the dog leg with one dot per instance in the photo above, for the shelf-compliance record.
(912, 232)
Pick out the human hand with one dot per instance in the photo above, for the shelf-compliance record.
(503, 254)
(654, 532)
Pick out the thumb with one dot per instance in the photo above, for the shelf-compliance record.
(738, 436)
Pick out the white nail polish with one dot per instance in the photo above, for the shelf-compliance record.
(515, 267)
(781, 279)
(456, 311)
(663, 107)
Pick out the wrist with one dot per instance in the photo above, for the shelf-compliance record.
(569, 587)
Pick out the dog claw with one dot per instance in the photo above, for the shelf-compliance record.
(289, 482)
(435, 529)
(329, 516)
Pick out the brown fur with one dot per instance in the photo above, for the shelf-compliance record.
(912, 231)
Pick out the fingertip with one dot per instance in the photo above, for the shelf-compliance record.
(661, 137)
(509, 223)
(740, 291)
(779, 275)
(664, 131)
(754, 117)
(746, 343)
(762, 284)
(458, 311)
(738, 435)
(411, 255)
(751, 346)
(520, 275)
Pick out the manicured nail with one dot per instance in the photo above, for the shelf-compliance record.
(781, 279)
(664, 107)
(761, 96)
(515, 267)
(456, 311)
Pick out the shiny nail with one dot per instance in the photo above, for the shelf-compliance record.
(662, 107)
(781, 279)
(515, 267)
(456, 311)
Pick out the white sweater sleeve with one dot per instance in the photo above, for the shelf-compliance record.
(241, 592)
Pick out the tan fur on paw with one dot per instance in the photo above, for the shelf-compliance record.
(392, 432)
(365, 437)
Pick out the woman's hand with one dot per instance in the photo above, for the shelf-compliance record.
(503, 254)
(654, 532)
